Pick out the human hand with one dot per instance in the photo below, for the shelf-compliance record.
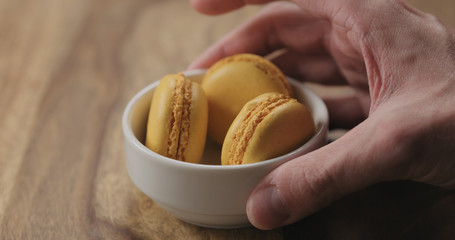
(401, 63)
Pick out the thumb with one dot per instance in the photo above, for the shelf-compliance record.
(363, 156)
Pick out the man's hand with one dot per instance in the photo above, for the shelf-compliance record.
(401, 63)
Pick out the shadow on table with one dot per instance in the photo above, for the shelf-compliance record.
(392, 210)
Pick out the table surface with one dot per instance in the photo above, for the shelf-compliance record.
(67, 69)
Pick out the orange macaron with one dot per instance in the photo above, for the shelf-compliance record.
(177, 121)
(233, 81)
(268, 126)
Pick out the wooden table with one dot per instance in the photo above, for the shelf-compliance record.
(67, 69)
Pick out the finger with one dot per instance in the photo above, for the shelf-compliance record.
(343, 11)
(309, 183)
(347, 106)
(320, 7)
(213, 7)
(277, 26)
(348, 110)
(318, 67)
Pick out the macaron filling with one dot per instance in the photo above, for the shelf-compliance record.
(180, 120)
(248, 125)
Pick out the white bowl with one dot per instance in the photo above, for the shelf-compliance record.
(205, 194)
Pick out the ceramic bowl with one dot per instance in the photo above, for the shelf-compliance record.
(205, 194)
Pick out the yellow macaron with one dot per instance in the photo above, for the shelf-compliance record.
(268, 126)
(235, 80)
(177, 121)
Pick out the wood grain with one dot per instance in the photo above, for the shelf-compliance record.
(67, 70)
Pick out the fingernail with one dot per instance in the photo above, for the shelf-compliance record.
(265, 208)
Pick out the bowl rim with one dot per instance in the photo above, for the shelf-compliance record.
(131, 138)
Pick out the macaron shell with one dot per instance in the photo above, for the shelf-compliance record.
(281, 130)
(160, 115)
(195, 140)
(232, 82)
(184, 135)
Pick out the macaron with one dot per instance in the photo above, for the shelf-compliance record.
(268, 126)
(177, 121)
(235, 80)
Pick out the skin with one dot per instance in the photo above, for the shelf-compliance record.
(399, 60)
